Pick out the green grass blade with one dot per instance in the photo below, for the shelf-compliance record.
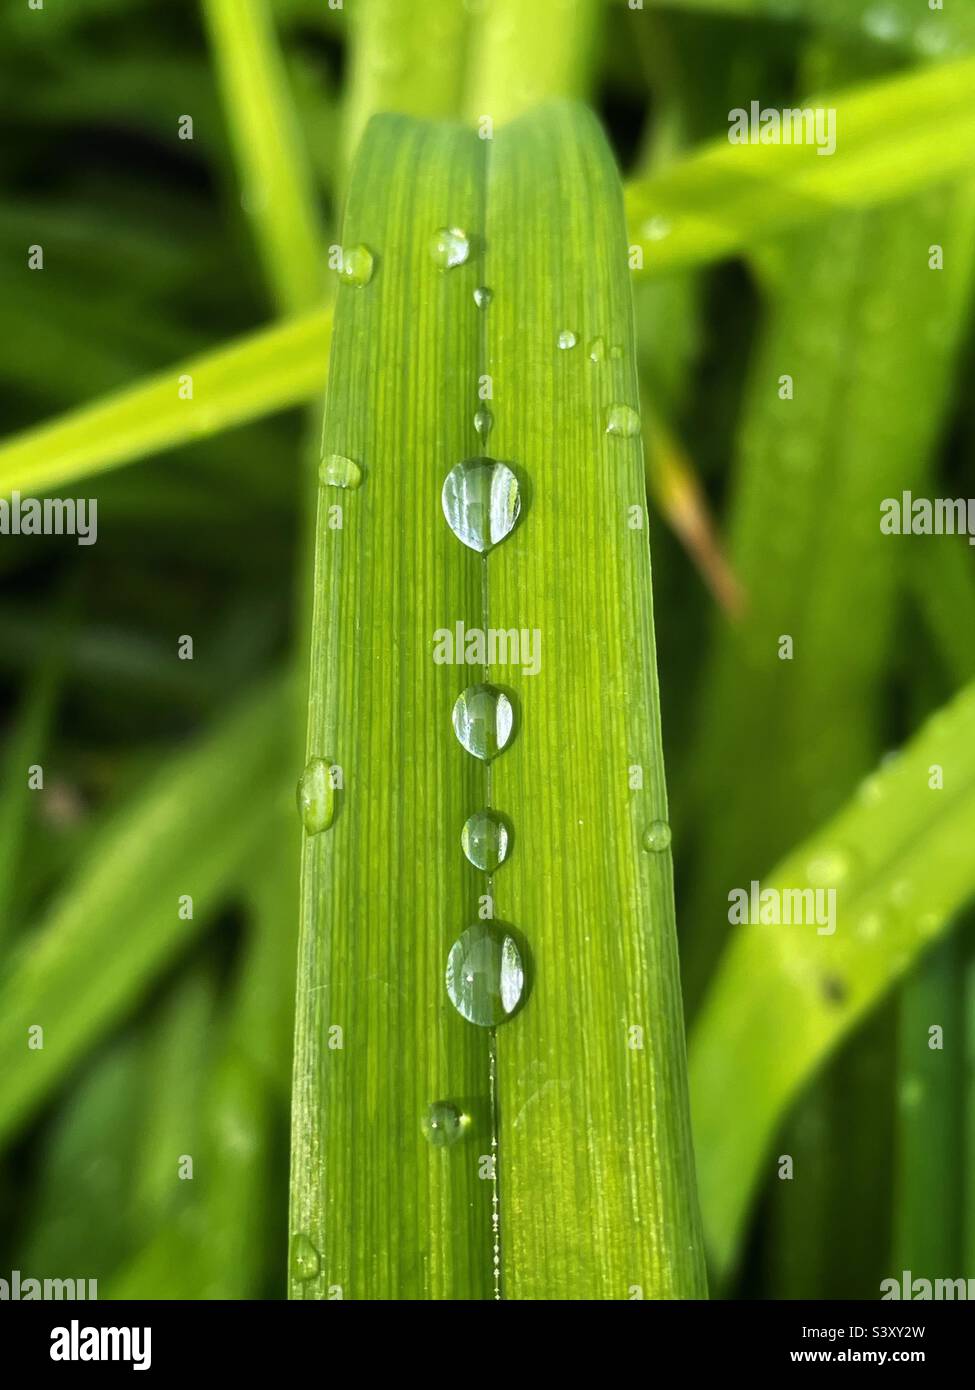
(377, 1211)
(784, 997)
(591, 714)
(522, 55)
(276, 186)
(268, 370)
(893, 137)
(117, 921)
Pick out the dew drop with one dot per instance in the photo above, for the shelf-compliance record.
(444, 1124)
(828, 867)
(357, 265)
(485, 975)
(481, 501)
(616, 353)
(305, 1261)
(622, 420)
(566, 339)
(337, 471)
(657, 837)
(656, 229)
(597, 350)
(483, 422)
(483, 720)
(483, 296)
(449, 246)
(316, 796)
(484, 839)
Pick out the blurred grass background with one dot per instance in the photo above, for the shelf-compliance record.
(169, 1036)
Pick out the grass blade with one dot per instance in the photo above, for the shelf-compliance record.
(784, 997)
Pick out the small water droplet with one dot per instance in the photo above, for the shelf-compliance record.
(485, 840)
(481, 501)
(622, 420)
(870, 926)
(337, 471)
(444, 1124)
(828, 867)
(615, 353)
(316, 796)
(657, 837)
(485, 974)
(483, 421)
(566, 339)
(305, 1261)
(597, 350)
(483, 720)
(656, 228)
(483, 296)
(357, 265)
(449, 246)
(833, 989)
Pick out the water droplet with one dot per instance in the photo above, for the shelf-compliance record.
(483, 720)
(622, 420)
(481, 502)
(870, 926)
(657, 837)
(597, 350)
(833, 989)
(305, 1261)
(337, 471)
(485, 840)
(449, 246)
(444, 1124)
(483, 296)
(483, 421)
(828, 867)
(485, 975)
(357, 265)
(566, 339)
(656, 229)
(316, 796)
(615, 353)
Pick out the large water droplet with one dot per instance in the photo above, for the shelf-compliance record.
(316, 796)
(622, 420)
(357, 265)
(566, 339)
(305, 1261)
(483, 296)
(481, 501)
(483, 422)
(657, 837)
(484, 839)
(338, 471)
(444, 1124)
(485, 974)
(449, 246)
(483, 720)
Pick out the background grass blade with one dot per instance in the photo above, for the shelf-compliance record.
(893, 137)
(276, 186)
(784, 997)
(99, 947)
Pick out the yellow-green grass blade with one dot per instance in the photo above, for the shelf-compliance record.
(930, 31)
(269, 370)
(276, 191)
(595, 906)
(785, 996)
(416, 68)
(117, 921)
(892, 137)
(377, 1210)
(523, 54)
